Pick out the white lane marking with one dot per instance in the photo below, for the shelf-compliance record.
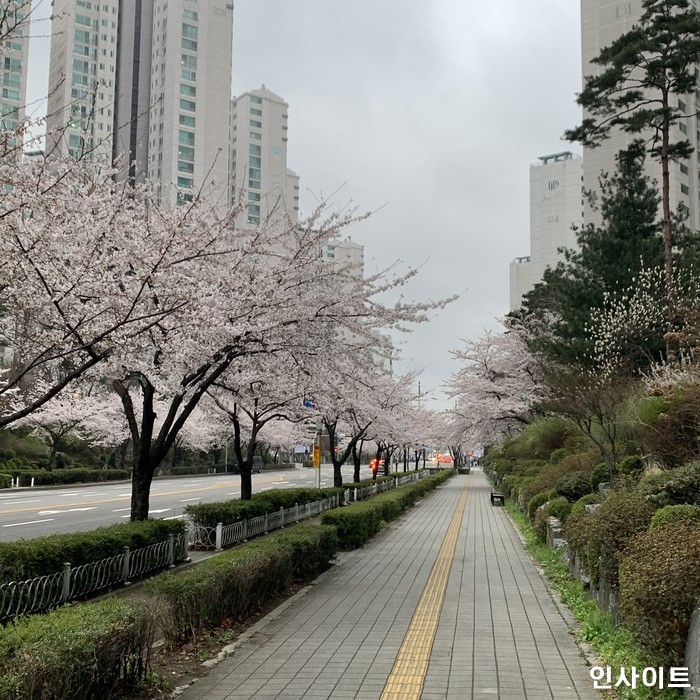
(313, 481)
(174, 517)
(31, 500)
(31, 522)
(162, 510)
(124, 516)
(3, 498)
(63, 495)
(67, 510)
(119, 510)
(184, 500)
(269, 488)
(234, 493)
(104, 493)
(124, 494)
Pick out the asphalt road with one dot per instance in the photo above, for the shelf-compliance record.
(27, 513)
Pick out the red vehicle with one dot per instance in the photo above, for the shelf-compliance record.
(444, 459)
(376, 464)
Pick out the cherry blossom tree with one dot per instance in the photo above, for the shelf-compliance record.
(497, 385)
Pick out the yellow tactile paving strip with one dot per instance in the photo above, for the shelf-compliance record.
(407, 677)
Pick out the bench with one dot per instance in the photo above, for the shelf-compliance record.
(497, 498)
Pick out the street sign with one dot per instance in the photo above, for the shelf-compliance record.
(317, 456)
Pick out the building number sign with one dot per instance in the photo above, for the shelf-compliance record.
(623, 10)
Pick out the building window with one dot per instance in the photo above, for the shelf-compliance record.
(188, 61)
(185, 182)
(186, 138)
(256, 112)
(187, 105)
(254, 161)
(255, 136)
(254, 196)
(257, 125)
(254, 150)
(190, 14)
(253, 219)
(186, 74)
(188, 44)
(254, 184)
(684, 189)
(255, 100)
(185, 153)
(189, 30)
(189, 90)
(187, 121)
(185, 167)
(254, 173)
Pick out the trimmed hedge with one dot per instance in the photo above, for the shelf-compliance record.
(234, 584)
(588, 500)
(559, 508)
(66, 476)
(358, 522)
(669, 515)
(25, 559)
(573, 486)
(228, 512)
(660, 586)
(673, 487)
(5, 480)
(378, 480)
(538, 500)
(601, 536)
(97, 650)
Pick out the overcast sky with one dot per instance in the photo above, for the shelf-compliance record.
(428, 112)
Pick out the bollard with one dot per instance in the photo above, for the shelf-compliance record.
(282, 518)
(296, 512)
(245, 530)
(65, 594)
(171, 551)
(32, 482)
(126, 565)
(355, 493)
(219, 536)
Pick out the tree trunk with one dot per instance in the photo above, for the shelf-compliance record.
(356, 460)
(141, 489)
(668, 230)
(405, 459)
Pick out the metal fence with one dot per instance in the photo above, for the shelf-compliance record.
(44, 592)
(222, 536)
(40, 594)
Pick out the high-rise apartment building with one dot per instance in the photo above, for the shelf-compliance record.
(14, 53)
(148, 80)
(602, 21)
(555, 207)
(259, 173)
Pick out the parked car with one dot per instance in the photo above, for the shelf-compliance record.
(256, 467)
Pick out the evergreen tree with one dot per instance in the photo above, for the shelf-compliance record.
(607, 260)
(645, 74)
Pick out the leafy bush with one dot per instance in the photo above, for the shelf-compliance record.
(64, 476)
(633, 465)
(540, 438)
(673, 487)
(5, 480)
(77, 653)
(536, 501)
(228, 512)
(378, 480)
(587, 500)
(358, 522)
(669, 515)
(573, 486)
(660, 586)
(558, 454)
(600, 474)
(539, 522)
(25, 559)
(233, 585)
(559, 508)
(601, 536)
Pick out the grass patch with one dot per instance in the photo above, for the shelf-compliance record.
(614, 645)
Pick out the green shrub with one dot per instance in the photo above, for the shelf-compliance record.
(669, 515)
(559, 508)
(378, 480)
(573, 486)
(633, 465)
(539, 522)
(360, 521)
(539, 439)
(587, 500)
(25, 559)
(228, 512)
(558, 454)
(659, 587)
(5, 481)
(64, 476)
(673, 487)
(536, 501)
(235, 584)
(82, 652)
(600, 474)
(601, 536)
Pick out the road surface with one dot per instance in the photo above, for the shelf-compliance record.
(28, 513)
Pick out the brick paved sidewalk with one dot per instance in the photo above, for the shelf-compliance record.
(499, 633)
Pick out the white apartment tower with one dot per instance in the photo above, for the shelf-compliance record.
(260, 179)
(149, 80)
(82, 72)
(190, 96)
(14, 53)
(602, 21)
(555, 207)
